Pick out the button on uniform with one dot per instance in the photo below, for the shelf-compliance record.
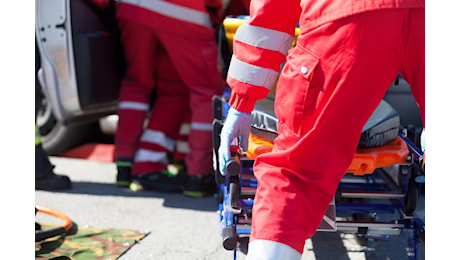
(304, 70)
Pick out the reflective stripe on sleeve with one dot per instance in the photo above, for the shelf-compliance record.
(201, 126)
(143, 155)
(159, 138)
(252, 74)
(174, 11)
(264, 38)
(133, 105)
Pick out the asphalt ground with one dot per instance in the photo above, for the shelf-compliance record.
(180, 227)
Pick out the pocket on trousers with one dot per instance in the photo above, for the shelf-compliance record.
(296, 95)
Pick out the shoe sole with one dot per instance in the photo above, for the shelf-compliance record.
(123, 183)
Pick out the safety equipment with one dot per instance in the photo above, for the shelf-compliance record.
(237, 125)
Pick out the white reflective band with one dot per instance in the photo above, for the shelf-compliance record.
(271, 250)
(174, 11)
(252, 74)
(182, 147)
(184, 129)
(143, 155)
(201, 126)
(133, 105)
(264, 38)
(159, 138)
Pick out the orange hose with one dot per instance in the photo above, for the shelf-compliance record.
(67, 221)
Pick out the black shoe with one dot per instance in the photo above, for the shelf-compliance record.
(200, 186)
(53, 181)
(163, 181)
(123, 172)
(123, 176)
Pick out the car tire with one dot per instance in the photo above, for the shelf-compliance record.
(57, 138)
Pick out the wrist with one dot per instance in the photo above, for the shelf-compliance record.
(242, 103)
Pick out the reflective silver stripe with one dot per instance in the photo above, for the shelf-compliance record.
(175, 11)
(184, 129)
(133, 105)
(252, 74)
(265, 249)
(182, 147)
(143, 155)
(264, 38)
(159, 138)
(201, 126)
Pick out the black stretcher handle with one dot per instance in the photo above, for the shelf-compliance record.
(229, 239)
(232, 167)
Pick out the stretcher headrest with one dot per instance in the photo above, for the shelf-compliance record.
(381, 128)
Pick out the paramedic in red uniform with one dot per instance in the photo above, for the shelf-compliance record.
(170, 49)
(347, 54)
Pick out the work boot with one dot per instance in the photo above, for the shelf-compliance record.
(163, 181)
(124, 166)
(52, 181)
(200, 186)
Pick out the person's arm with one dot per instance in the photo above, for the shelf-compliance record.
(260, 47)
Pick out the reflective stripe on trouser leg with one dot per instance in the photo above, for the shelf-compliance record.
(270, 250)
(166, 117)
(152, 154)
(182, 147)
(147, 161)
(199, 160)
(298, 179)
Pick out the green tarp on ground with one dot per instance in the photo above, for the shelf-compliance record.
(88, 243)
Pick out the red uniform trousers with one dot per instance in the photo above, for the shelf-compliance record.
(183, 72)
(345, 69)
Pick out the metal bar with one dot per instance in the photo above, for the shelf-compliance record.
(371, 194)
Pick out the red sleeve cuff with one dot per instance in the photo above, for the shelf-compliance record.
(243, 104)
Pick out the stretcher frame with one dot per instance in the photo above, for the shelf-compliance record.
(366, 191)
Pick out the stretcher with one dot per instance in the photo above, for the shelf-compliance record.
(384, 178)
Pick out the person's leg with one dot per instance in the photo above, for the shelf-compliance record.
(332, 82)
(45, 178)
(139, 45)
(157, 142)
(182, 148)
(196, 63)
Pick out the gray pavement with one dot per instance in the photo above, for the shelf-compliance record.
(180, 227)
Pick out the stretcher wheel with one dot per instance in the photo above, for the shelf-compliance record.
(229, 239)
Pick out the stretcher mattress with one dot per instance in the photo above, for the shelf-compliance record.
(381, 128)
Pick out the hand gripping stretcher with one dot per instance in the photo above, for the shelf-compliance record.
(368, 188)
